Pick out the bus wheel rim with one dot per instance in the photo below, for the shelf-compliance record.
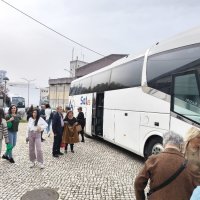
(157, 148)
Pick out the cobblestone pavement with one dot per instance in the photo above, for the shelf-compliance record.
(97, 170)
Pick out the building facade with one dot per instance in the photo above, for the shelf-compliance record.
(74, 65)
(59, 88)
(59, 92)
(44, 95)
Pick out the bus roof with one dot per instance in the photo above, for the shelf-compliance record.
(114, 64)
(186, 38)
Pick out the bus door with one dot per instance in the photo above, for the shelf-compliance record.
(97, 114)
(185, 101)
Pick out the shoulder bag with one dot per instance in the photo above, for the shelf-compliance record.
(169, 180)
(9, 123)
(78, 128)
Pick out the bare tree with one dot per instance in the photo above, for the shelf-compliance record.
(4, 93)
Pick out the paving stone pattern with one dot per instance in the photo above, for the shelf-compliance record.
(97, 170)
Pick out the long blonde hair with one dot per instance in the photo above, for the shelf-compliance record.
(192, 156)
(192, 133)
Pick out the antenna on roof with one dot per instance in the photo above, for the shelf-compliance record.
(73, 54)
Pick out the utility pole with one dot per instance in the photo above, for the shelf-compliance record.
(72, 54)
(5, 80)
(28, 83)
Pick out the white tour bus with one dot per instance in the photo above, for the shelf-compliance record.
(136, 99)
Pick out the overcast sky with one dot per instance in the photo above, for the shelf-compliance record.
(29, 50)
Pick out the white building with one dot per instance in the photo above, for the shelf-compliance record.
(30, 92)
(44, 95)
(74, 65)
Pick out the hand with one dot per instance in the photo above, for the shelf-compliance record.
(76, 123)
(66, 122)
(11, 119)
(39, 129)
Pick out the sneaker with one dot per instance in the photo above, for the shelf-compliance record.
(72, 151)
(32, 164)
(60, 153)
(55, 155)
(5, 157)
(41, 166)
(11, 160)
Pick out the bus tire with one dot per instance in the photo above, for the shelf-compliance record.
(153, 146)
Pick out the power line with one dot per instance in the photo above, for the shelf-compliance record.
(62, 35)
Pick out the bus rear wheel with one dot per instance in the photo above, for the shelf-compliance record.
(154, 146)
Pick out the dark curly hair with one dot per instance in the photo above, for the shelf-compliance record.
(9, 111)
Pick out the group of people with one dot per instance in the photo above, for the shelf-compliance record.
(66, 131)
(174, 173)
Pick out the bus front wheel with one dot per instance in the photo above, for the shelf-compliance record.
(154, 146)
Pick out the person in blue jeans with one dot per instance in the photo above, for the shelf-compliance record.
(13, 123)
(196, 194)
(49, 116)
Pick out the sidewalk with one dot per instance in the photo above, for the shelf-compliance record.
(96, 171)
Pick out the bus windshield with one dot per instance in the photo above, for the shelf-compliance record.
(18, 101)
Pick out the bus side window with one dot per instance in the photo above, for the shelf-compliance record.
(185, 97)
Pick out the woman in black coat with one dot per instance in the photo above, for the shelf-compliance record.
(81, 120)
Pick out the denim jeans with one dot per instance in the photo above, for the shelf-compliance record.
(12, 140)
(49, 125)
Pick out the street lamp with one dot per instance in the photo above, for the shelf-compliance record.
(28, 83)
(40, 103)
(5, 80)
